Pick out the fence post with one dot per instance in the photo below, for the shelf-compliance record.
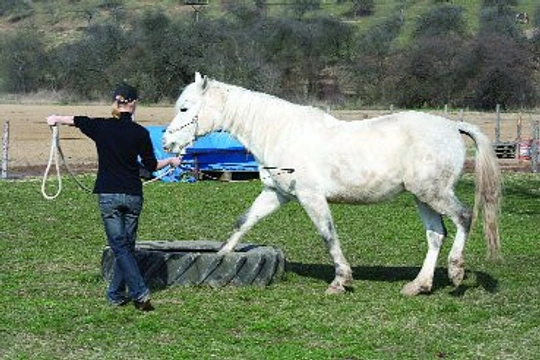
(534, 147)
(5, 149)
(518, 129)
(498, 124)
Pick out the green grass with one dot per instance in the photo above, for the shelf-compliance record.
(53, 304)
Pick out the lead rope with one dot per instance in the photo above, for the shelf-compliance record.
(55, 155)
(161, 176)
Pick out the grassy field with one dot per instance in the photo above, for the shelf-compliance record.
(53, 304)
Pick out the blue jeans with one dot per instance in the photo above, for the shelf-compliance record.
(120, 214)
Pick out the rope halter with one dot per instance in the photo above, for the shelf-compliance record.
(193, 136)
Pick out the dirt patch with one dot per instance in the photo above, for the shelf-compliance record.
(30, 137)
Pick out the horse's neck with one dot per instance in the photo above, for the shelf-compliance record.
(260, 121)
(246, 117)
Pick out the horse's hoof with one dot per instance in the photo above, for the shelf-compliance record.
(413, 289)
(334, 290)
(410, 289)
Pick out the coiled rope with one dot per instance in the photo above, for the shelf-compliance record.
(55, 155)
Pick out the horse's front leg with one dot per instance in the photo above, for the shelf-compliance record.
(319, 212)
(266, 203)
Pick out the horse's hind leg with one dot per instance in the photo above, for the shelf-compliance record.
(319, 212)
(435, 234)
(266, 203)
(462, 217)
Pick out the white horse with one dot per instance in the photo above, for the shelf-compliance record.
(309, 156)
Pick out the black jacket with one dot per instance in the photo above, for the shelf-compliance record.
(120, 144)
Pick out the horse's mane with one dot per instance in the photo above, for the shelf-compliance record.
(259, 115)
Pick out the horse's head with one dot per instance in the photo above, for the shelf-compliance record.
(186, 126)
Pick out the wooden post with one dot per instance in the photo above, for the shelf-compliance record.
(534, 147)
(197, 6)
(518, 129)
(5, 150)
(498, 124)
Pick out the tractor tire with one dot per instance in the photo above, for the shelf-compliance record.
(166, 263)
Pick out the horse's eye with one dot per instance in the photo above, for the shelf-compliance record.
(183, 109)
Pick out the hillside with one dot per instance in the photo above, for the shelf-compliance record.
(346, 53)
(63, 19)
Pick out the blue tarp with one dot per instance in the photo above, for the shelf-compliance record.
(216, 151)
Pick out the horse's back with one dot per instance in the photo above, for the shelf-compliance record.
(406, 135)
(375, 159)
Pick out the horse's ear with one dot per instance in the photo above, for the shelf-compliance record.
(205, 83)
(198, 77)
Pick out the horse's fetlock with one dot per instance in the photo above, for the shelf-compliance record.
(456, 271)
(348, 281)
(457, 261)
(345, 274)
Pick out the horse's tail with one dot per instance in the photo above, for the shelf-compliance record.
(488, 186)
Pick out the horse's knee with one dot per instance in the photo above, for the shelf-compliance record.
(435, 239)
(240, 222)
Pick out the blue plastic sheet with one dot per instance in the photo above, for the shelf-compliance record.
(216, 151)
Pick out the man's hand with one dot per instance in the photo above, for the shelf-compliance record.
(54, 120)
(175, 161)
(51, 120)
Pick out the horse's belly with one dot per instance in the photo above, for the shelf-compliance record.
(365, 181)
(363, 194)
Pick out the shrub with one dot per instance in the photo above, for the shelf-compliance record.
(23, 62)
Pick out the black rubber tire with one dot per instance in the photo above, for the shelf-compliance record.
(166, 263)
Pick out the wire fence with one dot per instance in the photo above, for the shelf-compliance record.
(523, 149)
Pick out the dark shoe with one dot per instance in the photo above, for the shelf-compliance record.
(118, 303)
(144, 305)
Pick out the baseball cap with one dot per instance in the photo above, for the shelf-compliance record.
(125, 93)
